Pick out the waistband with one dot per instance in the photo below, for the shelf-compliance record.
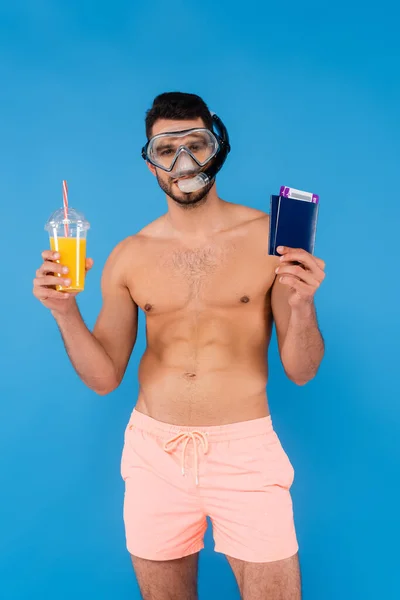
(232, 431)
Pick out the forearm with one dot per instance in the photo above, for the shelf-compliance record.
(303, 348)
(87, 355)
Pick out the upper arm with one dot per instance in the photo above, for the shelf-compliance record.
(280, 310)
(116, 325)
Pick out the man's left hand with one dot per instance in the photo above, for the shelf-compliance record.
(304, 278)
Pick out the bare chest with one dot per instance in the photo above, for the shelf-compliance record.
(212, 276)
(193, 272)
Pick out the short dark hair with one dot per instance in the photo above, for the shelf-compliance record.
(177, 105)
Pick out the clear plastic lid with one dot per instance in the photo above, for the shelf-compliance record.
(75, 218)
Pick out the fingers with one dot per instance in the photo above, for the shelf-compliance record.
(300, 255)
(89, 264)
(43, 288)
(301, 288)
(320, 263)
(51, 274)
(298, 273)
(51, 267)
(50, 280)
(50, 255)
(44, 294)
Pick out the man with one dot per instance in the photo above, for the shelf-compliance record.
(200, 441)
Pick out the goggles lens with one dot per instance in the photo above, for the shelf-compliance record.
(163, 149)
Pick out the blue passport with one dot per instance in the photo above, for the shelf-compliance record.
(293, 223)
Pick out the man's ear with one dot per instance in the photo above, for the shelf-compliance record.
(152, 168)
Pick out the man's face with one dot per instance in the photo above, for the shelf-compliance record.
(165, 181)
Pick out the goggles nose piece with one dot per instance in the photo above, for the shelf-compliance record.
(184, 165)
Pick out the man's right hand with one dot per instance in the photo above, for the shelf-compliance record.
(46, 280)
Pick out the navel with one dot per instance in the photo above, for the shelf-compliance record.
(244, 299)
(190, 375)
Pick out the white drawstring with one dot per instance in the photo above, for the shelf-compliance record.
(185, 437)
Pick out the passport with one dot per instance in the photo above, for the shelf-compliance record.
(293, 223)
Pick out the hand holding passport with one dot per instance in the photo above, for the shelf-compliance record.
(293, 225)
(293, 220)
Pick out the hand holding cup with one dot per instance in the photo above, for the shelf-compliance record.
(50, 275)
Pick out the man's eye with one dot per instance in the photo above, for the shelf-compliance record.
(196, 147)
(166, 152)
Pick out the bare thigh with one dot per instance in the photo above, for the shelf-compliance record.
(167, 580)
(278, 580)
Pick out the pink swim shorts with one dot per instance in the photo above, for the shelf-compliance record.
(238, 475)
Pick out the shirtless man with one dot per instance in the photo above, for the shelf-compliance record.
(200, 441)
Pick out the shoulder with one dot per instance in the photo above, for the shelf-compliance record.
(147, 236)
(134, 241)
(120, 251)
(254, 225)
(115, 266)
(253, 220)
(127, 253)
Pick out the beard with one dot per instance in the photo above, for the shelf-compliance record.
(186, 201)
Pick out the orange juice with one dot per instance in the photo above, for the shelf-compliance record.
(72, 255)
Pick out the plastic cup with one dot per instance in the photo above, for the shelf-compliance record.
(68, 237)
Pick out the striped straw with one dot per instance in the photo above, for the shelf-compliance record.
(65, 203)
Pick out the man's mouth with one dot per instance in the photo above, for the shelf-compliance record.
(183, 177)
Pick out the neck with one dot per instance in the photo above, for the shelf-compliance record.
(197, 221)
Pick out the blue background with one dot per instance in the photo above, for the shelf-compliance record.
(310, 95)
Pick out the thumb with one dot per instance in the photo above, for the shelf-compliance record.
(320, 263)
(89, 264)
